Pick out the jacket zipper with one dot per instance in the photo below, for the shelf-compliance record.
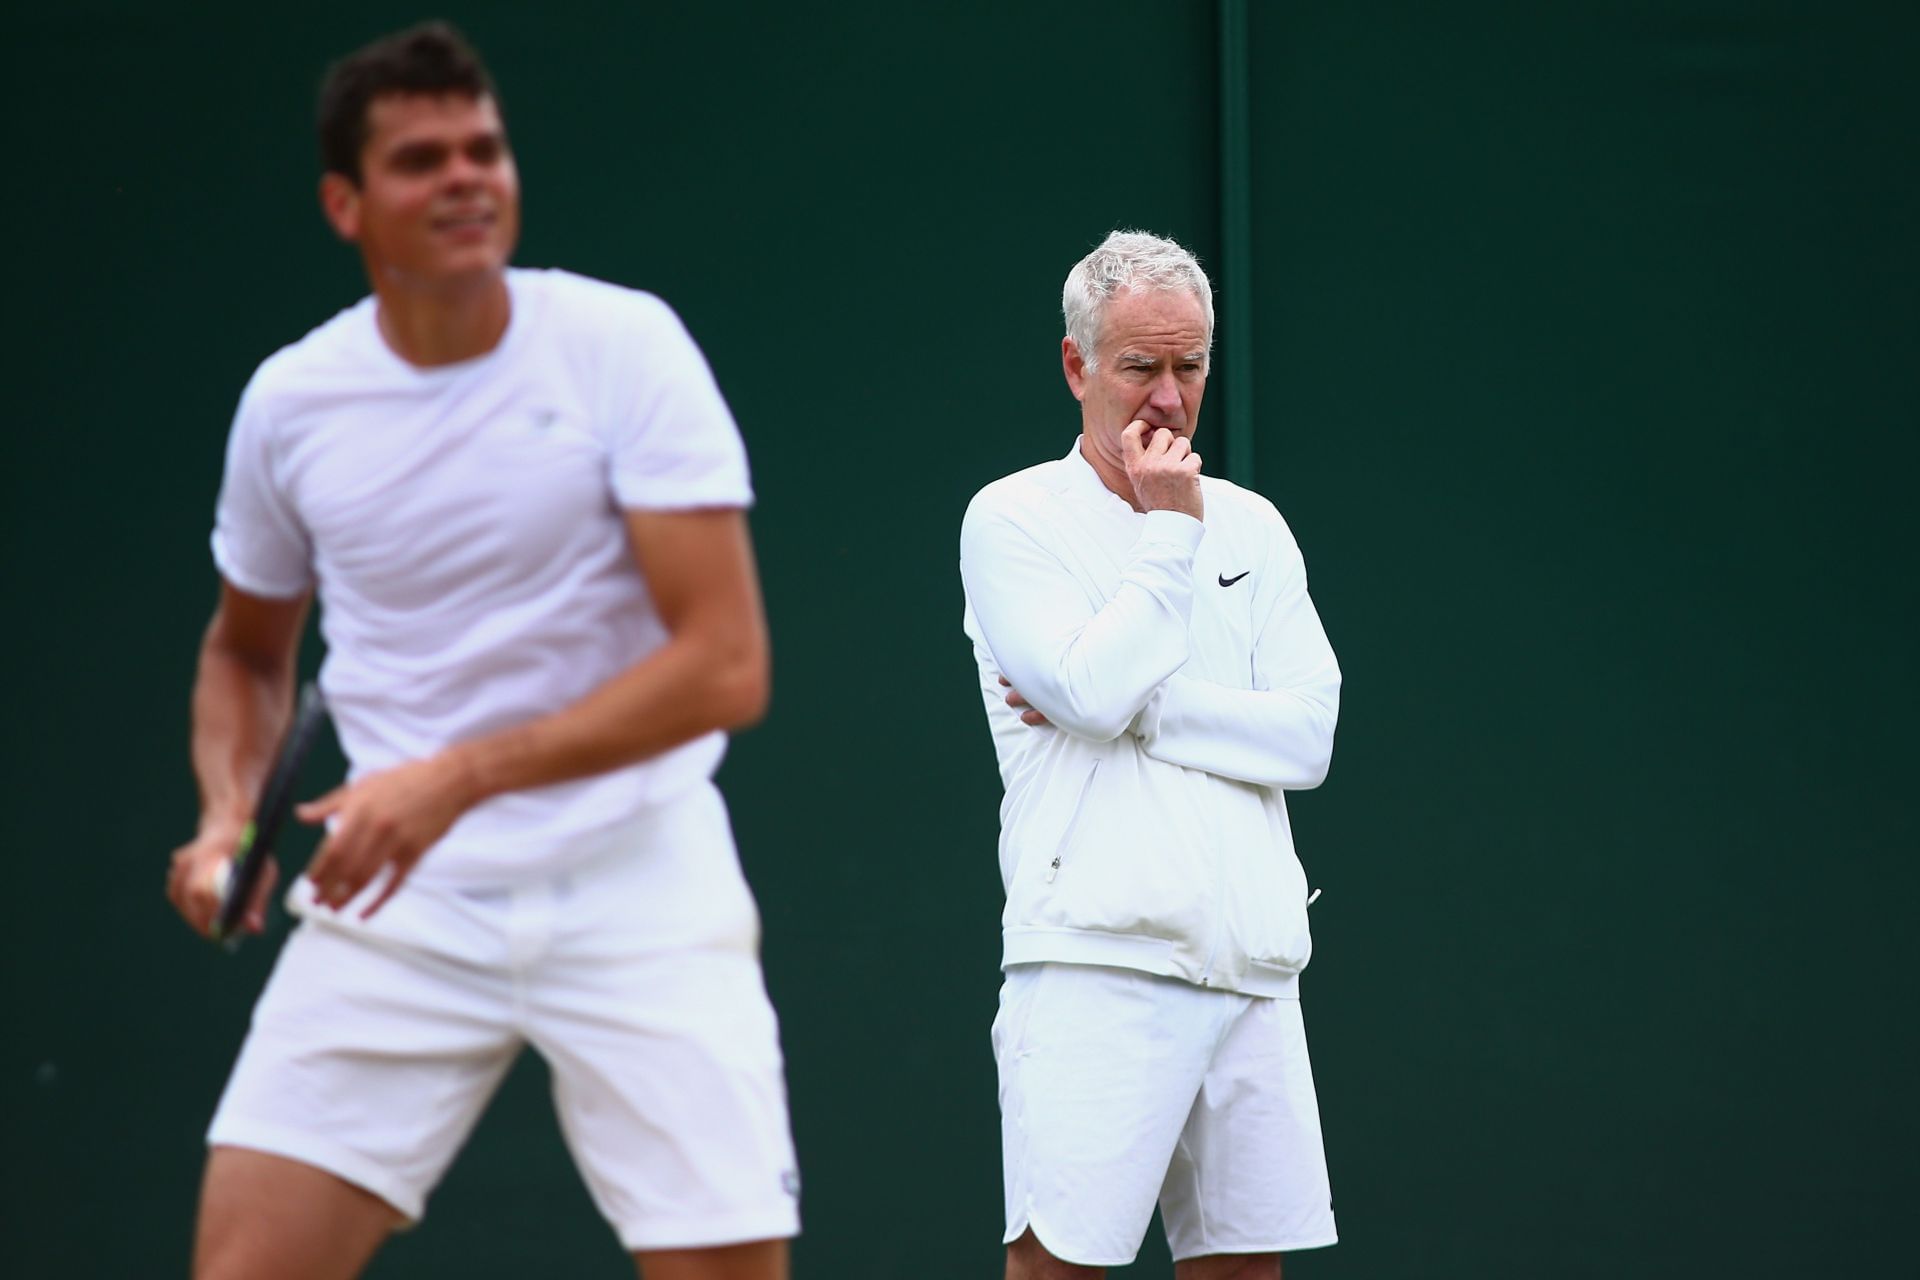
(1219, 907)
(1073, 823)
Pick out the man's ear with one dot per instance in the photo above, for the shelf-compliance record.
(340, 201)
(1074, 367)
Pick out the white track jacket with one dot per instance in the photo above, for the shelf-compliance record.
(1189, 683)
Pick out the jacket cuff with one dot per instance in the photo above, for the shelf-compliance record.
(1146, 721)
(1176, 527)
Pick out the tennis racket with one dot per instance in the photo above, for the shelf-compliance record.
(255, 850)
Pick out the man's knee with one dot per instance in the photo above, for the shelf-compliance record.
(1028, 1259)
(1229, 1266)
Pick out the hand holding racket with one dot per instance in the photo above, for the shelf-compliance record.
(244, 876)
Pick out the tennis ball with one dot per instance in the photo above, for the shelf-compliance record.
(222, 876)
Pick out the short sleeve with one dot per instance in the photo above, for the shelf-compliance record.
(259, 544)
(675, 446)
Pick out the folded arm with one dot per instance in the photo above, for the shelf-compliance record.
(1088, 670)
(1277, 734)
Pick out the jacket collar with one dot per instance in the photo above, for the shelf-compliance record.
(1078, 479)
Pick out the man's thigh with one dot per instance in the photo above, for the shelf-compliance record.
(1229, 1266)
(669, 1084)
(1249, 1173)
(1099, 1068)
(650, 1009)
(368, 1059)
(264, 1215)
(756, 1260)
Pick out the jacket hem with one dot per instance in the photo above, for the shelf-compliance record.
(1040, 945)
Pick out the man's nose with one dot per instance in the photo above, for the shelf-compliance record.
(463, 172)
(1165, 392)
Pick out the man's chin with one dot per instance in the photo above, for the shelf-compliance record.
(456, 272)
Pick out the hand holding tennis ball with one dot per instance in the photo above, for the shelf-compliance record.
(197, 878)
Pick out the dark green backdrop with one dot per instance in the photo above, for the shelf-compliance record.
(1585, 342)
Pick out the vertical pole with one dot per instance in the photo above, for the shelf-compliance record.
(1234, 318)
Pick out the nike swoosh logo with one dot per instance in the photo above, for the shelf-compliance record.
(1225, 581)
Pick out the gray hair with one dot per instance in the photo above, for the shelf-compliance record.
(1127, 260)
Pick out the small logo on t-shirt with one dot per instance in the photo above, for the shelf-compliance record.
(790, 1183)
(1225, 581)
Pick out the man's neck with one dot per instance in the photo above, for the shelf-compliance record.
(444, 324)
(1111, 474)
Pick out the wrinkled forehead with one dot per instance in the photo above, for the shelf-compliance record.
(1155, 321)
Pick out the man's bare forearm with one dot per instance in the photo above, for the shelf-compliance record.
(711, 673)
(241, 704)
(689, 687)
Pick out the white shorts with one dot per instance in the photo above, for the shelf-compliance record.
(1118, 1088)
(635, 974)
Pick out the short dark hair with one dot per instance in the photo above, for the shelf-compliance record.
(431, 58)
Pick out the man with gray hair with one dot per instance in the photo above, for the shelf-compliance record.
(1155, 678)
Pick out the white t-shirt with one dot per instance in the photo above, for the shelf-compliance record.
(463, 528)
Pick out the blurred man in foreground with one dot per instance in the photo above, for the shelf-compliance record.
(521, 502)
